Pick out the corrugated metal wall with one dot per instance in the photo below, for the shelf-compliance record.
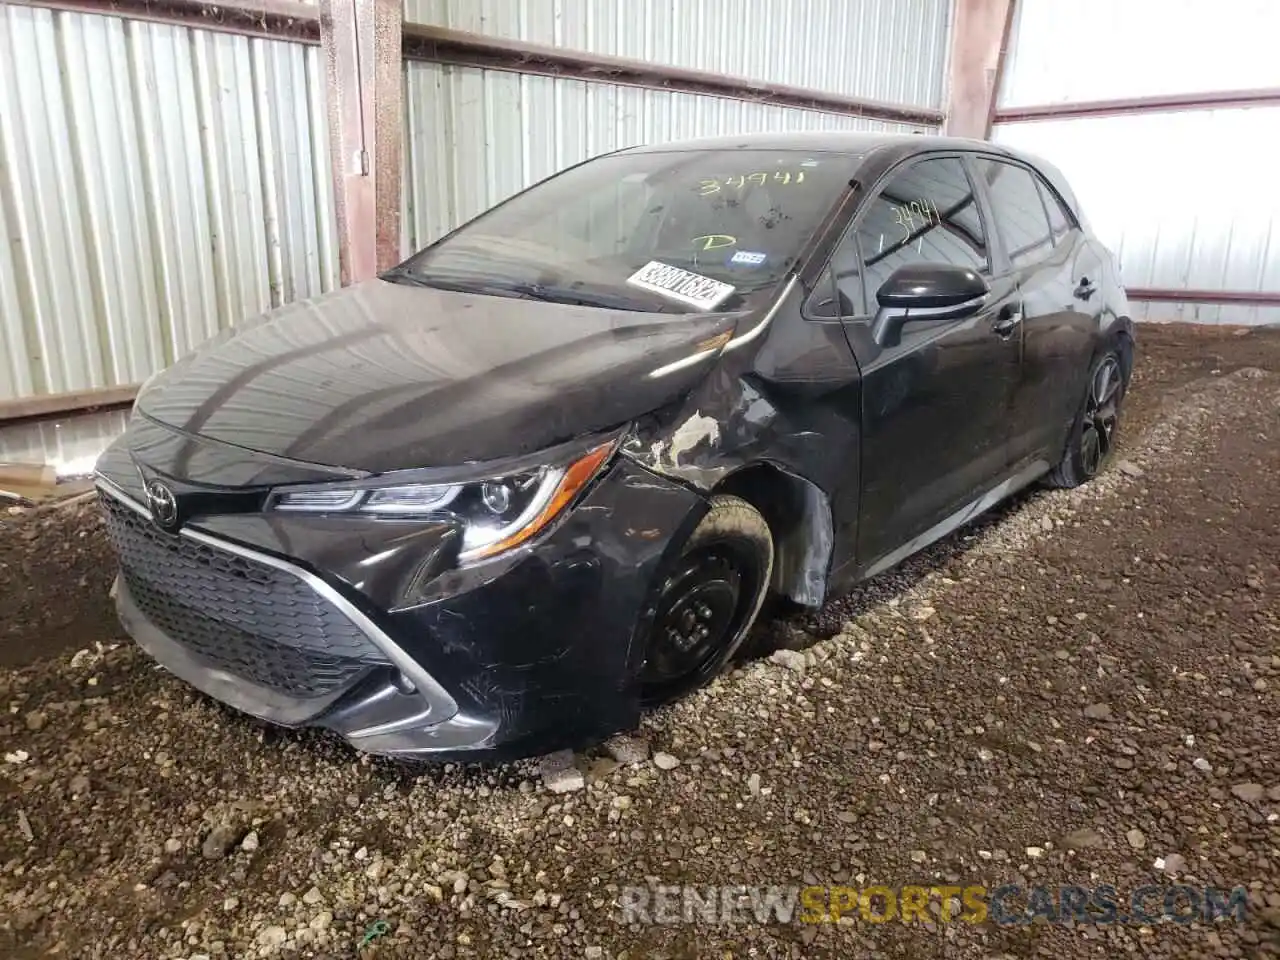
(70, 445)
(475, 137)
(158, 183)
(1188, 199)
(893, 50)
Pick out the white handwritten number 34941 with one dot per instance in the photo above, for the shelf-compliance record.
(907, 215)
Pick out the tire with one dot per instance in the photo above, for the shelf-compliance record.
(707, 601)
(1093, 434)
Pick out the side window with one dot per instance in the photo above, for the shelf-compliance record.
(1059, 221)
(1019, 211)
(838, 292)
(926, 213)
(846, 274)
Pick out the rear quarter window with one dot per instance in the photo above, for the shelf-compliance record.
(1059, 220)
(1019, 211)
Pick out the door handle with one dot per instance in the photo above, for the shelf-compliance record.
(1007, 325)
(1084, 289)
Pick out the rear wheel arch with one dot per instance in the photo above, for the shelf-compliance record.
(1117, 335)
(1124, 341)
(799, 516)
(1118, 338)
(1090, 441)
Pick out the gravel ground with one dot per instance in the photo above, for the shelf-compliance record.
(1081, 689)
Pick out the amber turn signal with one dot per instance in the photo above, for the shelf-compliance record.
(576, 476)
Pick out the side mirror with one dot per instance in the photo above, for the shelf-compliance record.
(926, 291)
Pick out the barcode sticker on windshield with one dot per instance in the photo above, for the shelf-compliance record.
(691, 288)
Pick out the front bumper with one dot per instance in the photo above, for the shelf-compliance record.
(530, 652)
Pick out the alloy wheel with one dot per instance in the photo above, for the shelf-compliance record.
(1102, 414)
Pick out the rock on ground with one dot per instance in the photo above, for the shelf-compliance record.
(625, 748)
(665, 761)
(559, 774)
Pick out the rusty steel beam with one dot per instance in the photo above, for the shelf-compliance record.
(276, 19)
(444, 45)
(298, 21)
(1222, 99)
(1247, 298)
(55, 404)
(360, 42)
(979, 44)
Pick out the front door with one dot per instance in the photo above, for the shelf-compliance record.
(935, 406)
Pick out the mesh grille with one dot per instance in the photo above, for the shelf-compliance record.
(243, 616)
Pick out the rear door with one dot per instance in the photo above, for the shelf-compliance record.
(1088, 266)
(934, 407)
(1043, 250)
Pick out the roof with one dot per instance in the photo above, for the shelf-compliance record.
(860, 144)
(829, 141)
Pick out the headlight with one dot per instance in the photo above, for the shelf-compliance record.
(496, 513)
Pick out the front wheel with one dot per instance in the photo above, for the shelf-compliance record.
(1093, 435)
(709, 600)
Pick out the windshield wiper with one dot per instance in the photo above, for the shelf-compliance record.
(523, 290)
(413, 278)
(553, 293)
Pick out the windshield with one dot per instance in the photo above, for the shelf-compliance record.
(674, 232)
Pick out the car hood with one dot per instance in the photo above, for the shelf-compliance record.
(383, 376)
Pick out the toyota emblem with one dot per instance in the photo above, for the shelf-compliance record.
(163, 504)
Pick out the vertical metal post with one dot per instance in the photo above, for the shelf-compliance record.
(360, 41)
(979, 41)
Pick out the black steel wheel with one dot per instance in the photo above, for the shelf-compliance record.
(707, 601)
(1093, 435)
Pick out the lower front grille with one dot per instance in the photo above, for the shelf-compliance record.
(239, 615)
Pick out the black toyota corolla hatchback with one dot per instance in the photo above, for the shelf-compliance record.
(547, 471)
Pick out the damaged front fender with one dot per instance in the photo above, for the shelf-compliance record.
(715, 451)
(776, 423)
